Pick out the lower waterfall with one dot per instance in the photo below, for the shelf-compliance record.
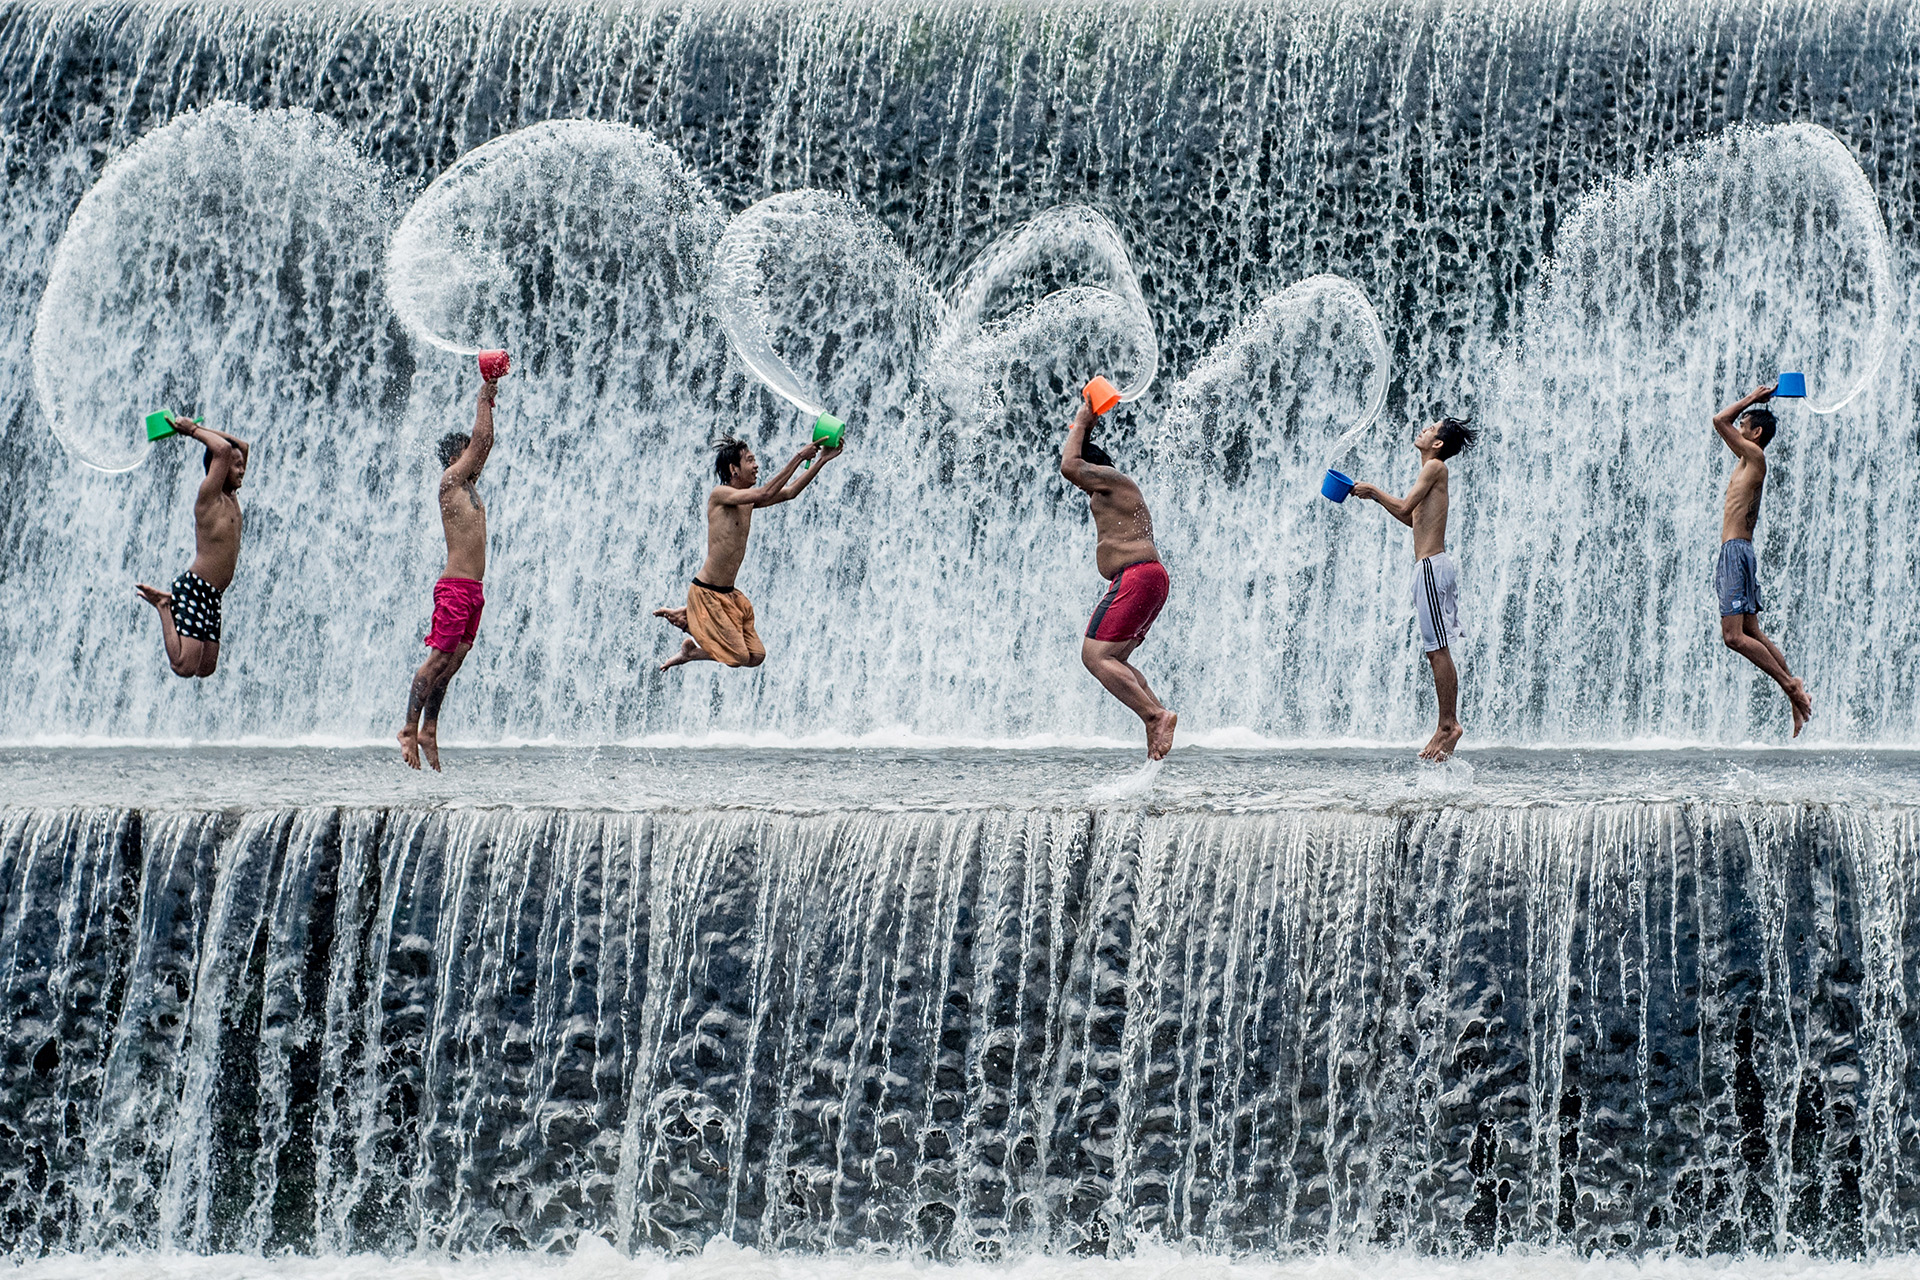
(1617, 1027)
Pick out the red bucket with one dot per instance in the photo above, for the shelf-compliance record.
(494, 365)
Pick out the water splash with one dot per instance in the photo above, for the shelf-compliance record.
(1041, 310)
(1310, 361)
(565, 241)
(217, 267)
(809, 274)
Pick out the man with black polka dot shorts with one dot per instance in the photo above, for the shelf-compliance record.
(190, 611)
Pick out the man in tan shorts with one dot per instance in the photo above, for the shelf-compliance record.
(718, 617)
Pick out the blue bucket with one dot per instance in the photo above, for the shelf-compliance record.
(1792, 386)
(1335, 486)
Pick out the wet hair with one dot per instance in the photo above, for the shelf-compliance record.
(1093, 453)
(1763, 419)
(1456, 437)
(452, 445)
(727, 453)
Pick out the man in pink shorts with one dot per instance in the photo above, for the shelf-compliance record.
(1137, 581)
(457, 596)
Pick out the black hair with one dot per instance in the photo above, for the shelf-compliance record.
(452, 445)
(727, 454)
(1456, 437)
(1093, 453)
(1763, 419)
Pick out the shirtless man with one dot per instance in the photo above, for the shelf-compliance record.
(457, 597)
(1137, 581)
(190, 612)
(1747, 430)
(718, 617)
(1436, 582)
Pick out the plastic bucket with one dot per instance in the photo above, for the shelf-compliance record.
(494, 365)
(1102, 395)
(1335, 486)
(828, 431)
(1792, 386)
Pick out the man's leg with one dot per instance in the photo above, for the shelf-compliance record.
(183, 655)
(430, 713)
(209, 658)
(677, 617)
(1741, 633)
(1107, 660)
(690, 651)
(430, 674)
(1446, 691)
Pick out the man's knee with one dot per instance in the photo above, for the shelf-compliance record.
(754, 659)
(1733, 630)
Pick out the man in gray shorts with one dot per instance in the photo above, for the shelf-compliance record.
(1748, 429)
(1436, 582)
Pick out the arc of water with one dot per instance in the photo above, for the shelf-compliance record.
(1075, 230)
(739, 288)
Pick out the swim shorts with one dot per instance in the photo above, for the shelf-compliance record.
(720, 619)
(1736, 578)
(1436, 601)
(196, 608)
(457, 603)
(1133, 600)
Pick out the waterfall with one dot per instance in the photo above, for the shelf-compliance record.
(1623, 1027)
(1585, 228)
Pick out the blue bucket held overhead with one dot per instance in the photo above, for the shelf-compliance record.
(1792, 386)
(1336, 486)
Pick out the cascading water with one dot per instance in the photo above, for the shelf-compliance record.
(1617, 1026)
(1588, 231)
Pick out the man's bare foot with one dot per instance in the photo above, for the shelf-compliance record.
(1801, 703)
(1444, 740)
(689, 650)
(154, 596)
(678, 617)
(1160, 735)
(430, 745)
(409, 748)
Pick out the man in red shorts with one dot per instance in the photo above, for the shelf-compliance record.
(457, 596)
(1137, 581)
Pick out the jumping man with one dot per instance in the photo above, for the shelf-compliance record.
(1436, 582)
(457, 596)
(1137, 581)
(1748, 430)
(190, 613)
(718, 617)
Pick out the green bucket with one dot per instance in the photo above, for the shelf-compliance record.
(828, 430)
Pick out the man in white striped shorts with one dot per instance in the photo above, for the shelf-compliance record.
(1436, 583)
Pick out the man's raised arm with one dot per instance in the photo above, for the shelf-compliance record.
(806, 478)
(1090, 476)
(1723, 423)
(223, 451)
(1402, 509)
(467, 466)
(765, 495)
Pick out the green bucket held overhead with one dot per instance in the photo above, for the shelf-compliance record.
(160, 425)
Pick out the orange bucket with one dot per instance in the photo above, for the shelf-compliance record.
(1102, 395)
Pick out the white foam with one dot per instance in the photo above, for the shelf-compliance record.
(596, 1260)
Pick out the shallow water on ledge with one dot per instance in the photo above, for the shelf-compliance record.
(806, 781)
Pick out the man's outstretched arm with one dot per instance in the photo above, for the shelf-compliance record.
(467, 466)
(765, 495)
(1402, 509)
(806, 478)
(1723, 424)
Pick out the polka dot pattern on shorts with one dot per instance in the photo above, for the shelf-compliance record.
(196, 608)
